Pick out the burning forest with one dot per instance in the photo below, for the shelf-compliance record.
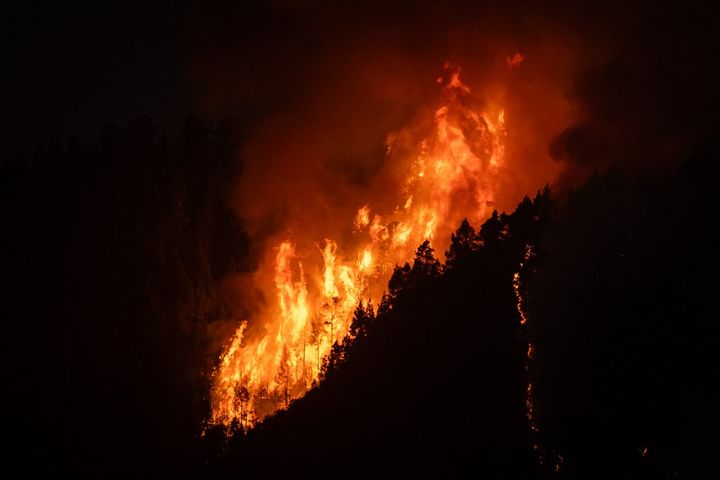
(452, 172)
(361, 240)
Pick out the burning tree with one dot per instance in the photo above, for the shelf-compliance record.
(452, 171)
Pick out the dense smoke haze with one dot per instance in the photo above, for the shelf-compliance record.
(333, 80)
(324, 86)
(614, 77)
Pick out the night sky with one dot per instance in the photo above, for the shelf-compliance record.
(72, 68)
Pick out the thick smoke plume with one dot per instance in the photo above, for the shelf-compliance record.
(329, 84)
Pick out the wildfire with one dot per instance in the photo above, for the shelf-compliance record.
(452, 172)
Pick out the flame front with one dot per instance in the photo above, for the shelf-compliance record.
(452, 172)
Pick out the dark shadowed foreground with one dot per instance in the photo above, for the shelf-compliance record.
(617, 294)
(113, 254)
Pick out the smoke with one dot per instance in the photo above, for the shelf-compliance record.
(650, 102)
(327, 84)
(319, 86)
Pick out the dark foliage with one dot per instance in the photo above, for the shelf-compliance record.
(435, 383)
(463, 243)
(111, 253)
(618, 290)
(622, 314)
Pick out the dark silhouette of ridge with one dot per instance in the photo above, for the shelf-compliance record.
(113, 252)
(436, 384)
(618, 293)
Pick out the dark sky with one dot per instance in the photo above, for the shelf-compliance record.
(72, 67)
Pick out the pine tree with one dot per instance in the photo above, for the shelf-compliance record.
(463, 242)
(495, 230)
(425, 262)
(398, 281)
(361, 321)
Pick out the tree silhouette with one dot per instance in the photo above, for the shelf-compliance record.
(399, 280)
(462, 243)
(494, 230)
(425, 263)
(361, 321)
(333, 360)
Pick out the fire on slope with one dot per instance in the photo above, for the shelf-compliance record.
(452, 172)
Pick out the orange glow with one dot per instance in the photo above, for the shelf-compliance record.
(516, 286)
(362, 219)
(365, 262)
(530, 389)
(328, 252)
(515, 60)
(452, 171)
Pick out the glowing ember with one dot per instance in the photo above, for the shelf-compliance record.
(515, 60)
(452, 173)
(529, 398)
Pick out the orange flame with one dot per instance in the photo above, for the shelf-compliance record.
(362, 219)
(453, 173)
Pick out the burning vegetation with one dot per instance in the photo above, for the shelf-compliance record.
(452, 171)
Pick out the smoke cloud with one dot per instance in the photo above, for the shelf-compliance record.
(319, 86)
(650, 102)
